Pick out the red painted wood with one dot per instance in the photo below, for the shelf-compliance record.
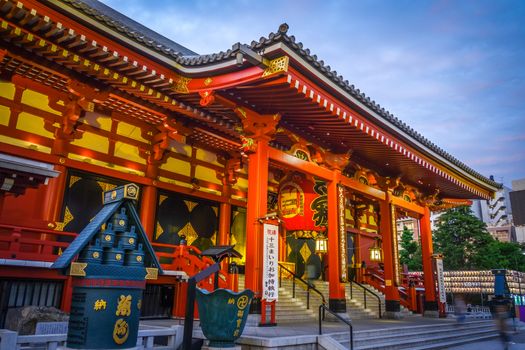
(427, 251)
(256, 209)
(148, 208)
(386, 230)
(336, 288)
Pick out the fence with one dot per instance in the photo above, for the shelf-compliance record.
(10, 340)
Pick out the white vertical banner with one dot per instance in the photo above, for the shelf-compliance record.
(270, 262)
(440, 280)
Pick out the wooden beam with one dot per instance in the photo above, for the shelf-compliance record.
(323, 173)
(300, 165)
(366, 190)
(412, 207)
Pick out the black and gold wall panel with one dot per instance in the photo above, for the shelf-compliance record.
(83, 199)
(196, 219)
(301, 252)
(238, 233)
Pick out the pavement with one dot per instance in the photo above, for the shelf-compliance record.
(309, 328)
(517, 340)
(312, 328)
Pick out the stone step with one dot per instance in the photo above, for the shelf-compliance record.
(430, 340)
(419, 337)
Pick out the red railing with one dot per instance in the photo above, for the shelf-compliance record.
(25, 243)
(407, 291)
(188, 259)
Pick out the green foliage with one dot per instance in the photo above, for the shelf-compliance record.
(467, 245)
(410, 252)
(504, 255)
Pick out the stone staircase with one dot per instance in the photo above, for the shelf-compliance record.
(423, 337)
(355, 301)
(289, 309)
(295, 309)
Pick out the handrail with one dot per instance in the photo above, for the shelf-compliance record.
(365, 289)
(325, 308)
(308, 286)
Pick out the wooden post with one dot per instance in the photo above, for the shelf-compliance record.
(148, 210)
(337, 300)
(392, 301)
(431, 305)
(54, 196)
(257, 201)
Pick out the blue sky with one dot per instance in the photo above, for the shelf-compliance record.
(452, 70)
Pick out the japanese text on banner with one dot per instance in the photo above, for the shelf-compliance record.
(270, 262)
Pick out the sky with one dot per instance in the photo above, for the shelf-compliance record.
(452, 70)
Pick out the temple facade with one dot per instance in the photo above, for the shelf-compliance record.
(218, 144)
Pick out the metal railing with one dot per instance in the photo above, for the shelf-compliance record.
(366, 290)
(322, 309)
(309, 286)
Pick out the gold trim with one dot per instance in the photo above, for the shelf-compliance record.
(181, 84)
(277, 65)
(152, 273)
(77, 269)
(208, 81)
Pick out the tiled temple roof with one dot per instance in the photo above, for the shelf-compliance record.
(132, 29)
(186, 57)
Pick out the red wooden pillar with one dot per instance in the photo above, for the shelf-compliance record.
(225, 217)
(431, 305)
(387, 230)
(336, 301)
(54, 196)
(148, 208)
(257, 205)
(67, 292)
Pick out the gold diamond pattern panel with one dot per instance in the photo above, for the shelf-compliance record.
(305, 252)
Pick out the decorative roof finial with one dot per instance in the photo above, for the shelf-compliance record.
(283, 28)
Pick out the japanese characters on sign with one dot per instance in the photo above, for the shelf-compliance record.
(440, 280)
(342, 231)
(241, 302)
(270, 262)
(395, 253)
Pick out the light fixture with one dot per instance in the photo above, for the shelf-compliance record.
(376, 253)
(321, 244)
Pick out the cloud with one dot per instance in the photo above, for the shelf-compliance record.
(452, 70)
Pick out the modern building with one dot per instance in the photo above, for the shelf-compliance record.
(497, 214)
(220, 146)
(517, 198)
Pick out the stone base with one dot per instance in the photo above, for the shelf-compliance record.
(206, 347)
(393, 315)
(253, 320)
(431, 313)
(337, 305)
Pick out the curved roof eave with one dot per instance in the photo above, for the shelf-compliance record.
(186, 63)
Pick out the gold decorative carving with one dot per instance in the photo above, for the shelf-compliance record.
(59, 226)
(181, 85)
(77, 269)
(277, 65)
(152, 273)
(208, 81)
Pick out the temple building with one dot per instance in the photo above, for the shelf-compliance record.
(220, 145)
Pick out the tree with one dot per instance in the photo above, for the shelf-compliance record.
(503, 255)
(463, 239)
(410, 252)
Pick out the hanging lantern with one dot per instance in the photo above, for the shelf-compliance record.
(376, 253)
(321, 244)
